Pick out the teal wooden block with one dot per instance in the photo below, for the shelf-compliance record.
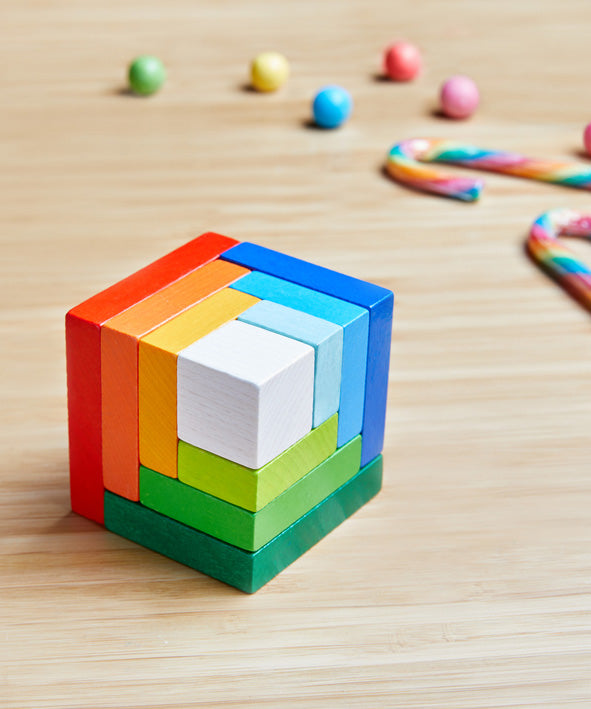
(247, 571)
(325, 337)
(237, 526)
(355, 323)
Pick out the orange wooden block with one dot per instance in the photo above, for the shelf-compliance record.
(119, 367)
(157, 373)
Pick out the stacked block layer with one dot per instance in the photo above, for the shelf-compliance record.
(227, 405)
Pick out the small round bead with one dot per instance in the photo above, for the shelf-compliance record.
(269, 71)
(459, 97)
(146, 75)
(402, 61)
(587, 139)
(332, 106)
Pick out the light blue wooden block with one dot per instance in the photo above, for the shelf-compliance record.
(378, 301)
(325, 337)
(355, 323)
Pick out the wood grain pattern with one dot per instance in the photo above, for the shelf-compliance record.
(465, 583)
(120, 338)
(157, 366)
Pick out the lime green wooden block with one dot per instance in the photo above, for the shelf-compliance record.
(247, 571)
(237, 526)
(253, 489)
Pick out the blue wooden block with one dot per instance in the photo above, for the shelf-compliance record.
(355, 323)
(378, 301)
(325, 337)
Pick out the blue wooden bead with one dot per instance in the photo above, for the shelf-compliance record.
(332, 106)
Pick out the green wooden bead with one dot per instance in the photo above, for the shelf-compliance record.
(146, 75)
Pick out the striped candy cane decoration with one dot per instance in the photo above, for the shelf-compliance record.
(557, 260)
(405, 160)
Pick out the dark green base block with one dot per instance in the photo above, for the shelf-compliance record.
(245, 570)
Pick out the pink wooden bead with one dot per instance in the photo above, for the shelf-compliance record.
(587, 139)
(402, 61)
(459, 97)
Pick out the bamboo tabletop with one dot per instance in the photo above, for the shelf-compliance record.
(466, 583)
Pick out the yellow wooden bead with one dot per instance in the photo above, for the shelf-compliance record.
(269, 71)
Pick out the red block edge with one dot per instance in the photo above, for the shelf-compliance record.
(83, 360)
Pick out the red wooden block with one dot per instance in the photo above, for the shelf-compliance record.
(83, 355)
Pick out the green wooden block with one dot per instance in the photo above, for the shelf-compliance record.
(245, 570)
(253, 489)
(237, 526)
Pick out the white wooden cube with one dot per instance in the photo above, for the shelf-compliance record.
(245, 393)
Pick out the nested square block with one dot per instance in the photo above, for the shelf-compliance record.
(227, 405)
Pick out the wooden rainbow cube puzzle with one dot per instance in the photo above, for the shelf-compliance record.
(227, 405)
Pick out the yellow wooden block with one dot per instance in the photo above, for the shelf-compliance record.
(157, 373)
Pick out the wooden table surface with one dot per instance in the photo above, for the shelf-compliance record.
(466, 582)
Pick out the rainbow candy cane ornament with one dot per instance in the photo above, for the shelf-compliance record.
(557, 260)
(405, 158)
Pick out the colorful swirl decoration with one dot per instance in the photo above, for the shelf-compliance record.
(405, 160)
(557, 260)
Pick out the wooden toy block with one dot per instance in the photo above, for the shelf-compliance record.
(245, 393)
(353, 319)
(257, 379)
(247, 571)
(378, 301)
(157, 388)
(327, 340)
(119, 367)
(253, 489)
(237, 526)
(83, 349)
